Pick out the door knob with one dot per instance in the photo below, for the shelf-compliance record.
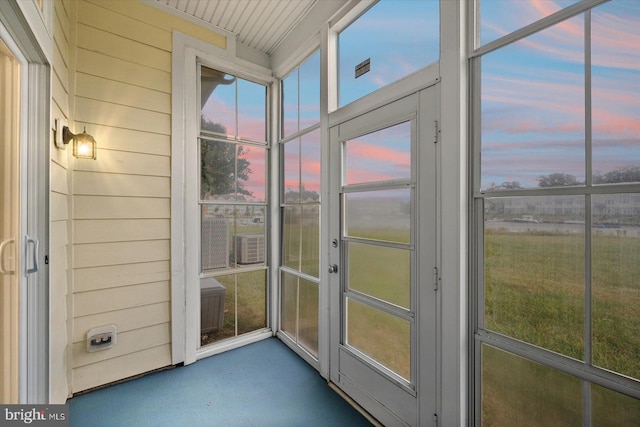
(333, 268)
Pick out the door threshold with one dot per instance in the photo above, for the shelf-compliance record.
(354, 404)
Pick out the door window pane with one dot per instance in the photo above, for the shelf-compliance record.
(615, 74)
(533, 119)
(380, 272)
(534, 251)
(616, 282)
(518, 392)
(382, 336)
(380, 215)
(399, 37)
(379, 156)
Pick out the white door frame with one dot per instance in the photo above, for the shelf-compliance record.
(31, 45)
(424, 355)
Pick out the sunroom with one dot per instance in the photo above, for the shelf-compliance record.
(434, 204)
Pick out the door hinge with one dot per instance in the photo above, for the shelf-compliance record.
(436, 131)
(436, 278)
(435, 420)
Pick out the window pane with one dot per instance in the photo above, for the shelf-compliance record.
(534, 250)
(252, 111)
(291, 171)
(308, 324)
(291, 237)
(613, 409)
(248, 235)
(380, 215)
(252, 301)
(310, 166)
(310, 92)
(368, 328)
(533, 111)
(498, 18)
(290, 102)
(518, 392)
(217, 170)
(289, 304)
(379, 156)
(381, 272)
(211, 290)
(616, 92)
(616, 282)
(399, 37)
(218, 102)
(215, 238)
(252, 173)
(310, 245)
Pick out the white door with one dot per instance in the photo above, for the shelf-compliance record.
(383, 259)
(10, 277)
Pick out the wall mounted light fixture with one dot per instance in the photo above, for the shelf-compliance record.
(84, 145)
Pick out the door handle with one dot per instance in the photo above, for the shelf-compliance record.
(333, 268)
(3, 245)
(35, 243)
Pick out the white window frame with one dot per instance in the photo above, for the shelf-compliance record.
(188, 53)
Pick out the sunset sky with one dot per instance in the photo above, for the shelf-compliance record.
(533, 95)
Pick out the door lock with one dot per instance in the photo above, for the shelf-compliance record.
(333, 268)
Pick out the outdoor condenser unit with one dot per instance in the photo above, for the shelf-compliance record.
(249, 248)
(212, 295)
(215, 243)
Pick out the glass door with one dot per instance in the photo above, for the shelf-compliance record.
(383, 257)
(9, 226)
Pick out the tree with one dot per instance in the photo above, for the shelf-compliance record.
(630, 173)
(507, 185)
(557, 179)
(222, 169)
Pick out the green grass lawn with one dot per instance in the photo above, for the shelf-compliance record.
(535, 292)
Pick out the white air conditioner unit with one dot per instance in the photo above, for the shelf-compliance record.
(249, 248)
(214, 243)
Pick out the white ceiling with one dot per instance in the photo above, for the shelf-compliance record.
(259, 24)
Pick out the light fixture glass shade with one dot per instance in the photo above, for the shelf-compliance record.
(84, 146)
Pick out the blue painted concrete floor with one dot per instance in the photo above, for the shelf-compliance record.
(261, 384)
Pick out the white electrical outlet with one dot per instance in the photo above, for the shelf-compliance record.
(102, 338)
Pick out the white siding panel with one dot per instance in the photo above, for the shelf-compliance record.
(96, 64)
(108, 114)
(90, 183)
(122, 162)
(107, 300)
(100, 88)
(94, 278)
(125, 320)
(59, 179)
(107, 20)
(131, 140)
(97, 207)
(120, 47)
(121, 367)
(126, 342)
(120, 230)
(58, 207)
(103, 254)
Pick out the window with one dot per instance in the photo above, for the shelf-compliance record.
(233, 204)
(300, 204)
(557, 224)
(396, 37)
